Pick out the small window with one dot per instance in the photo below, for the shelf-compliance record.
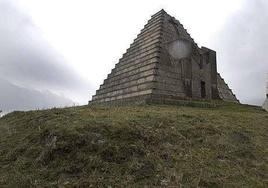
(201, 63)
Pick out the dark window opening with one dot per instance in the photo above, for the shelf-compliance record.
(201, 62)
(188, 88)
(207, 58)
(203, 89)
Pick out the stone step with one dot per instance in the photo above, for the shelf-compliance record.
(127, 76)
(173, 84)
(159, 13)
(157, 31)
(133, 67)
(125, 96)
(153, 20)
(142, 50)
(147, 52)
(150, 30)
(135, 63)
(131, 75)
(152, 40)
(141, 80)
(143, 59)
(125, 91)
(147, 41)
(149, 38)
(151, 24)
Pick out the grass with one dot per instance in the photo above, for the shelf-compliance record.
(134, 146)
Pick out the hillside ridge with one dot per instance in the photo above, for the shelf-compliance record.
(135, 146)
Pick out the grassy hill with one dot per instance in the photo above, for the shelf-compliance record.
(133, 146)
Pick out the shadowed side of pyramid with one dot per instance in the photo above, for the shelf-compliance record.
(163, 64)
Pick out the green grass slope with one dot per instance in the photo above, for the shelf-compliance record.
(134, 146)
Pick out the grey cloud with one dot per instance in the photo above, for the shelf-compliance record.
(242, 50)
(19, 98)
(27, 60)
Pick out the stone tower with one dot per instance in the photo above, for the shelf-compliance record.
(164, 64)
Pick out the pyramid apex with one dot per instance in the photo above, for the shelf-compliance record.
(148, 71)
(162, 11)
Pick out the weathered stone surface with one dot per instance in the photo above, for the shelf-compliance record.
(265, 104)
(153, 69)
(225, 92)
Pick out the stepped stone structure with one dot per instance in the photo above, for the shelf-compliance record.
(164, 64)
(225, 93)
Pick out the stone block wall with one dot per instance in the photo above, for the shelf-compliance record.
(148, 71)
(182, 77)
(134, 74)
(225, 93)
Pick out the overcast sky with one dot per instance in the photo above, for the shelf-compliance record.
(60, 51)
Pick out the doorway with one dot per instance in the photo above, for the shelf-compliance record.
(203, 89)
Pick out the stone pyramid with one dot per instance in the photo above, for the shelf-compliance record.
(164, 65)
